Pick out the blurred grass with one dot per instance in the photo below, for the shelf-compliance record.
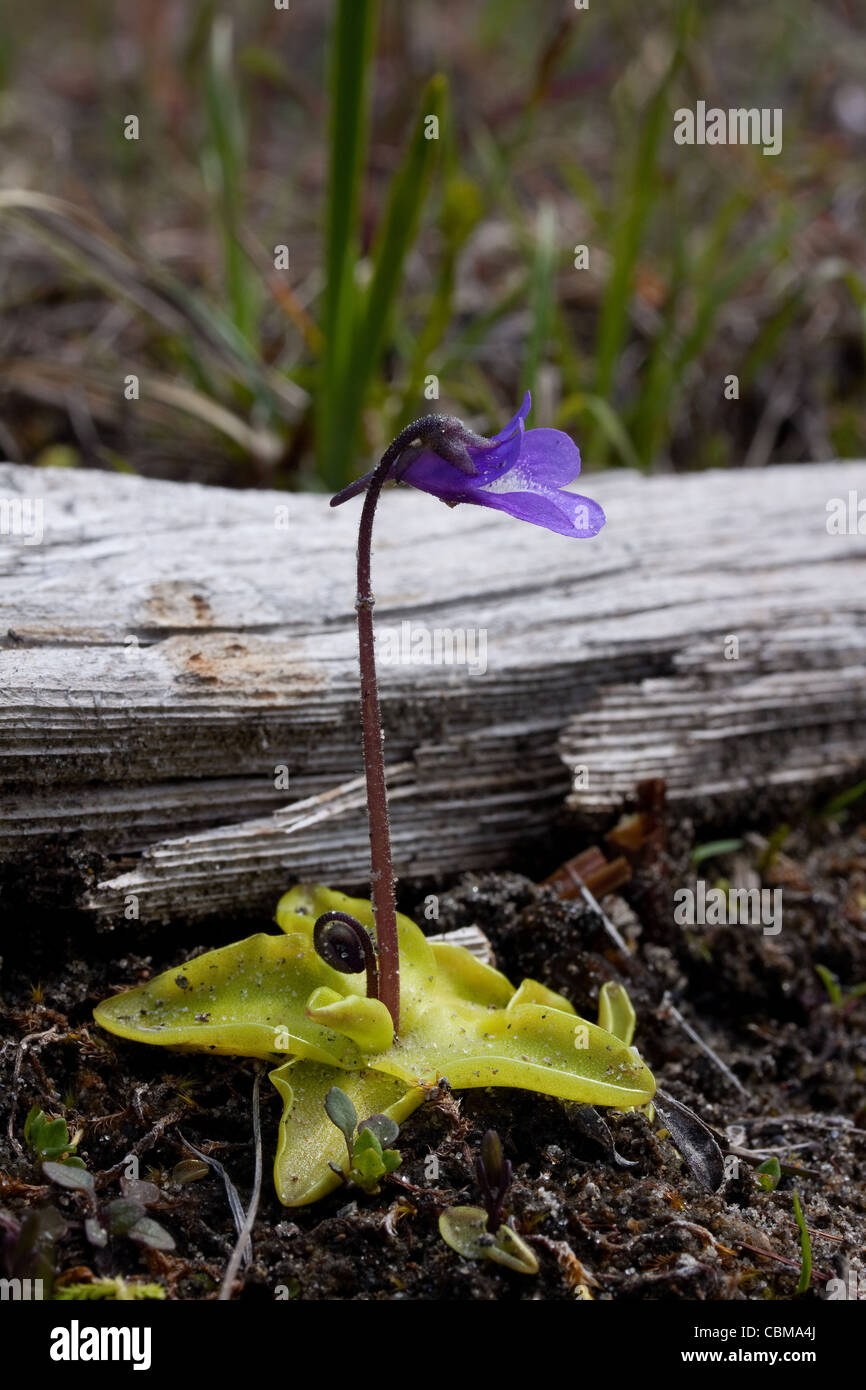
(427, 270)
(351, 50)
(225, 163)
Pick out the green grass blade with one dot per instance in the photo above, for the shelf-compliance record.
(225, 166)
(805, 1247)
(639, 197)
(399, 227)
(460, 213)
(542, 297)
(394, 240)
(348, 79)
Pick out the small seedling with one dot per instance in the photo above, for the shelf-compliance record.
(493, 1171)
(369, 1158)
(479, 1233)
(465, 1230)
(840, 998)
(50, 1139)
(123, 1216)
(769, 1174)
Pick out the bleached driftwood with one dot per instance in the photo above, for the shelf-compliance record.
(171, 652)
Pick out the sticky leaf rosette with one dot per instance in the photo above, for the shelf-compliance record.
(275, 997)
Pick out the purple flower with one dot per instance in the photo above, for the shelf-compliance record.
(520, 471)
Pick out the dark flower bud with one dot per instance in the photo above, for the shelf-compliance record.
(346, 946)
(451, 440)
(338, 945)
(492, 1157)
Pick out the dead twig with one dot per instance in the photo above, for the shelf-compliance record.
(234, 1201)
(140, 1146)
(245, 1235)
(669, 1010)
(16, 1076)
(782, 1260)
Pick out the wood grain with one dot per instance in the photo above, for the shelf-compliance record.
(168, 648)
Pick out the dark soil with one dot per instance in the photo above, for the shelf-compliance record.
(647, 1231)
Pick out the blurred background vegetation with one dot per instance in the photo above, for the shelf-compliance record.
(409, 257)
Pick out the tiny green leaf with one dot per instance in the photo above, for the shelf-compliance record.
(54, 1135)
(511, 1250)
(841, 803)
(368, 1167)
(115, 1290)
(830, 983)
(95, 1232)
(384, 1128)
(465, 1230)
(66, 1176)
(48, 1138)
(34, 1117)
(368, 1142)
(150, 1233)
(768, 1174)
(342, 1113)
(189, 1170)
(122, 1215)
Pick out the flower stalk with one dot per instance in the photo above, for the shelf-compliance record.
(436, 429)
(523, 473)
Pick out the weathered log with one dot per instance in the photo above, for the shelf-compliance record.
(170, 652)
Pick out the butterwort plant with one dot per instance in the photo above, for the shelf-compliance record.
(352, 995)
(519, 471)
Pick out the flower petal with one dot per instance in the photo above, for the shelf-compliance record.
(516, 421)
(548, 458)
(567, 513)
(309, 1141)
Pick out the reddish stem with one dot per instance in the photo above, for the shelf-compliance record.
(449, 438)
(381, 870)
